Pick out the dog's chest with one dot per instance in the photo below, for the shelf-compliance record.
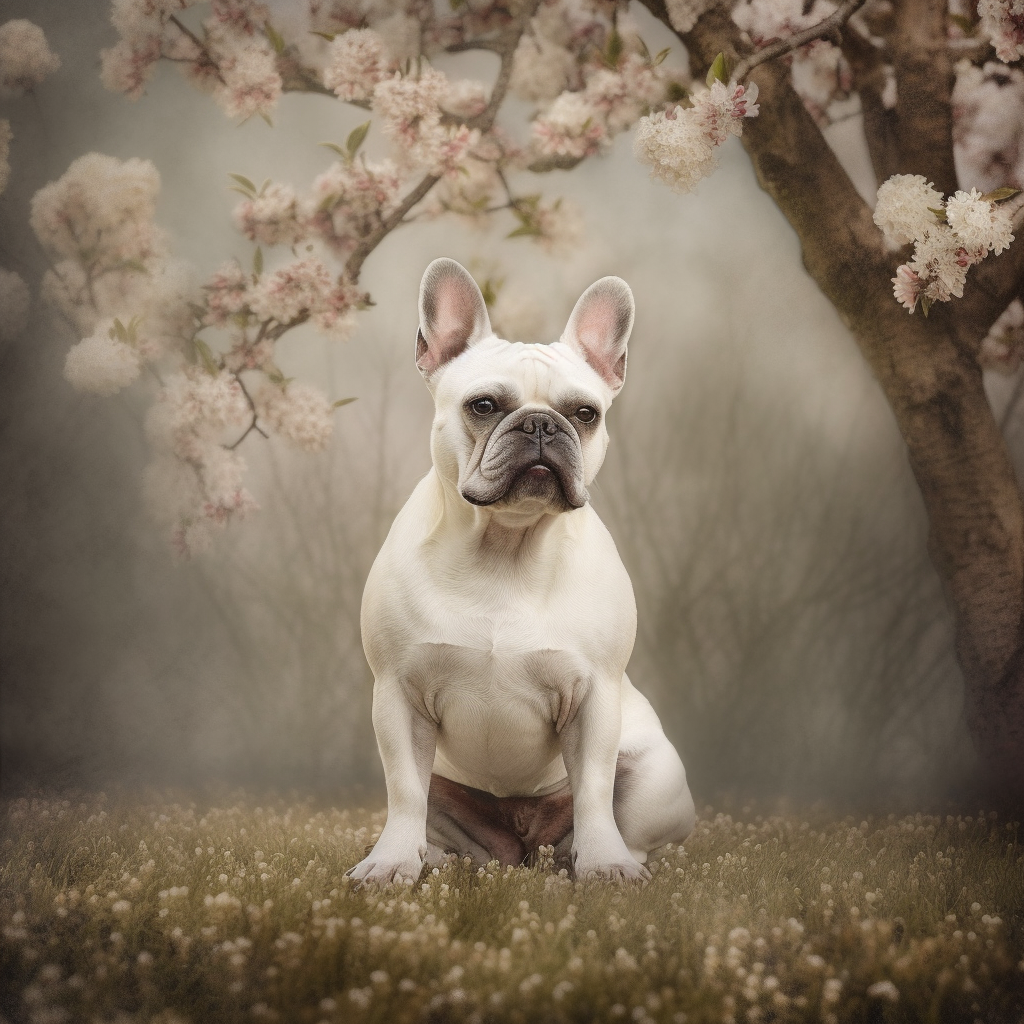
(499, 708)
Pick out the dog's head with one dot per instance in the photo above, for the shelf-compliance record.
(520, 426)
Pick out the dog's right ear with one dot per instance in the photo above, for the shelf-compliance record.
(453, 315)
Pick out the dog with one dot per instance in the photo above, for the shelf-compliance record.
(498, 617)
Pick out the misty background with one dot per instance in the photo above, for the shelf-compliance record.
(792, 634)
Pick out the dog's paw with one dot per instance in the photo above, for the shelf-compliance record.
(380, 869)
(620, 869)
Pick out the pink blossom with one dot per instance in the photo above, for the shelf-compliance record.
(271, 217)
(356, 61)
(906, 287)
(227, 294)
(291, 293)
(1003, 22)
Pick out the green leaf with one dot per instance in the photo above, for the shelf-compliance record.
(926, 304)
(241, 191)
(613, 51)
(257, 261)
(456, 5)
(276, 41)
(263, 187)
(997, 195)
(335, 147)
(329, 36)
(716, 73)
(355, 139)
(204, 353)
(524, 230)
(119, 330)
(266, 117)
(242, 180)
(644, 51)
(965, 23)
(661, 56)
(342, 401)
(676, 92)
(489, 290)
(940, 213)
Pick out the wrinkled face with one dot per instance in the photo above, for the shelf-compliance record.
(519, 427)
(520, 424)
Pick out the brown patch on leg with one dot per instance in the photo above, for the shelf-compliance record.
(508, 828)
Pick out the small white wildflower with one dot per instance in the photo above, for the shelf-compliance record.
(884, 990)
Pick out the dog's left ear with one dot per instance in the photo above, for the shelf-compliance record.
(599, 328)
(453, 315)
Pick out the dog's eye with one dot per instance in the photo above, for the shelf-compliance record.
(483, 406)
(586, 415)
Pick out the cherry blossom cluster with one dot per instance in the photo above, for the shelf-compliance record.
(25, 57)
(25, 61)
(681, 145)
(1003, 22)
(136, 306)
(231, 56)
(949, 236)
(820, 74)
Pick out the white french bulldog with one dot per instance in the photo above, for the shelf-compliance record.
(498, 617)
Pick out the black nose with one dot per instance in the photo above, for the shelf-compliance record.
(539, 421)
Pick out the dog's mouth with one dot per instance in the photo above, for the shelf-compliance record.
(533, 455)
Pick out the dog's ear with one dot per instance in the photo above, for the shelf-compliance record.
(599, 328)
(453, 315)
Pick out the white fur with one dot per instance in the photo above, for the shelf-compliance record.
(498, 636)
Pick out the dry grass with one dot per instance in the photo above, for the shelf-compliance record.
(142, 910)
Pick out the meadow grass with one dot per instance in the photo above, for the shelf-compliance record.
(164, 909)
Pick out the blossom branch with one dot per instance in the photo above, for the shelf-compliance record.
(826, 27)
(204, 54)
(483, 122)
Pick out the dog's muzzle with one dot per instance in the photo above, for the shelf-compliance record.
(526, 449)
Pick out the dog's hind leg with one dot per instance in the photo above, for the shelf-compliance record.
(652, 802)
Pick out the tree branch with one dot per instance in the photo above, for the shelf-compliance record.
(205, 57)
(484, 121)
(924, 85)
(826, 27)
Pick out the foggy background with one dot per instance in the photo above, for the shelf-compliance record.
(792, 634)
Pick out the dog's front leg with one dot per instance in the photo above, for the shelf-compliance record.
(590, 749)
(406, 739)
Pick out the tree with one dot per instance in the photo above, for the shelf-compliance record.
(930, 126)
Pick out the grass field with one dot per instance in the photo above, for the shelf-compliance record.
(160, 909)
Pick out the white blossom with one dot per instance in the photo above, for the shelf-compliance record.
(988, 125)
(903, 208)
(226, 293)
(356, 61)
(299, 412)
(128, 65)
(194, 409)
(5, 152)
(100, 210)
(907, 287)
(101, 363)
(541, 69)
(570, 127)
(349, 199)
(251, 83)
(15, 303)
(979, 223)
(680, 146)
(291, 292)
(272, 217)
(1003, 22)
(25, 57)
(560, 227)
(683, 14)
(941, 264)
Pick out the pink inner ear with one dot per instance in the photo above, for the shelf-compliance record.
(596, 328)
(450, 323)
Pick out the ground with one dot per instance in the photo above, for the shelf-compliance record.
(165, 909)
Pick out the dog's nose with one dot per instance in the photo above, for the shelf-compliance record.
(539, 421)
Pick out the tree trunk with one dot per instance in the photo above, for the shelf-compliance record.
(930, 375)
